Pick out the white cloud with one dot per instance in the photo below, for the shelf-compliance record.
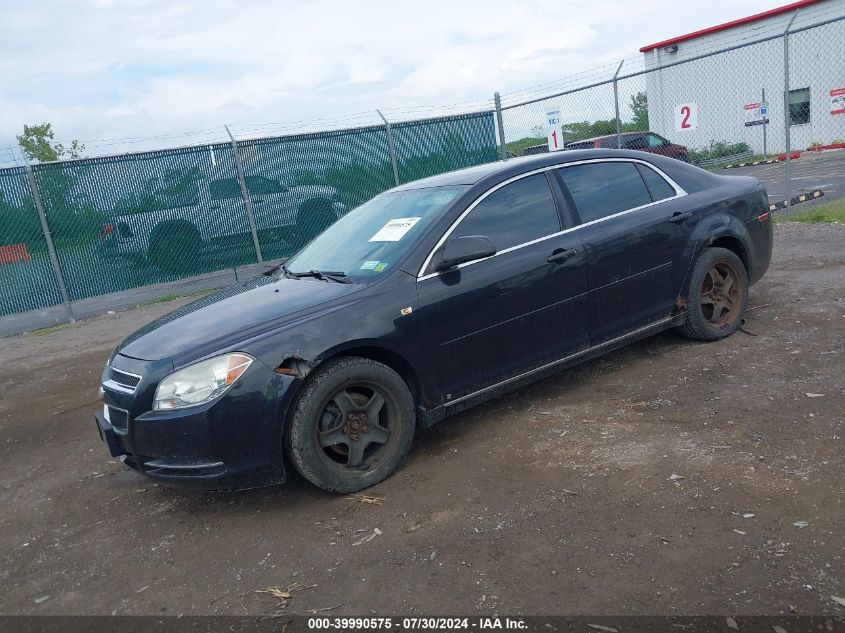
(121, 68)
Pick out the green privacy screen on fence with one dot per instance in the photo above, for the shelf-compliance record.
(26, 279)
(425, 148)
(121, 222)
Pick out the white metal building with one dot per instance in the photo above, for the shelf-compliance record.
(718, 98)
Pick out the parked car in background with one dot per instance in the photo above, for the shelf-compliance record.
(432, 297)
(642, 141)
(170, 230)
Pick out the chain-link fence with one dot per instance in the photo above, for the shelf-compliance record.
(75, 229)
(734, 96)
(119, 222)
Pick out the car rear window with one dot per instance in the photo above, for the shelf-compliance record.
(225, 188)
(602, 189)
(657, 185)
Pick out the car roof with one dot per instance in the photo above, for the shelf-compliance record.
(501, 170)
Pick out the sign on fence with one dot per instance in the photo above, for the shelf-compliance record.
(686, 117)
(553, 128)
(837, 101)
(755, 113)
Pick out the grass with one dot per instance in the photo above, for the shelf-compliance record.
(168, 298)
(516, 147)
(161, 299)
(830, 212)
(55, 328)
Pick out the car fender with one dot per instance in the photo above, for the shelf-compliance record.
(715, 227)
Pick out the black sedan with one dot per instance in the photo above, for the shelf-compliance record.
(430, 298)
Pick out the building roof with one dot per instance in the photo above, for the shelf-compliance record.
(729, 25)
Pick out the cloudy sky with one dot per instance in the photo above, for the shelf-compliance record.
(109, 72)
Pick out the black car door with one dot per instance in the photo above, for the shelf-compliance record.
(492, 319)
(637, 231)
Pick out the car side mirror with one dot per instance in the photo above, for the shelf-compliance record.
(458, 250)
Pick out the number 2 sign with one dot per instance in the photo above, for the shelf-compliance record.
(686, 117)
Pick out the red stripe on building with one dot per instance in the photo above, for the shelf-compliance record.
(729, 25)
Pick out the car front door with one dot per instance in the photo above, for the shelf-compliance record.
(227, 209)
(637, 229)
(491, 319)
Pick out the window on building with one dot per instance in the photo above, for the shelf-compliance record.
(799, 106)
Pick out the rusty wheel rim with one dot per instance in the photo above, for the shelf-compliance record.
(355, 427)
(721, 295)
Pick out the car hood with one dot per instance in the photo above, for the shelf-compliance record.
(232, 315)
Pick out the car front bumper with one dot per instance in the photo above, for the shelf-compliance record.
(232, 442)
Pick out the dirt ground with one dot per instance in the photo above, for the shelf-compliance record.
(666, 478)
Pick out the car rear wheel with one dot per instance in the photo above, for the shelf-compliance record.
(351, 426)
(717, 297)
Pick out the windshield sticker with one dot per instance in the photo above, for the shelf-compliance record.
(394, 230)
(380, 267)
(369, 265)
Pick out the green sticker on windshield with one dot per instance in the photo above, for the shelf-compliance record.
(380, 267)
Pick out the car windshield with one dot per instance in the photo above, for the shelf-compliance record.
(369, 240)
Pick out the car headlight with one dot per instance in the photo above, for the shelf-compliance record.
(200, 383)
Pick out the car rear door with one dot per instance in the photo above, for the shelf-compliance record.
(494, 318)
(227, 210)
(637, 231)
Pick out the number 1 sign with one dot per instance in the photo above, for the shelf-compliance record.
(553, 129)
(686, 117)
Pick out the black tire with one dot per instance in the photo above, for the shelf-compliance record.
(312, 218)
(175, 246)
(717, 296)
(331, 439)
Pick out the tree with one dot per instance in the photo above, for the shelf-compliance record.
(37, 143)
(639, 107)
(73, 219)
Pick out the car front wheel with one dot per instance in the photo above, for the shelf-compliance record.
(351, 426)
(717, 297)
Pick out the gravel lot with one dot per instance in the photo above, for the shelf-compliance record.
(668, 478)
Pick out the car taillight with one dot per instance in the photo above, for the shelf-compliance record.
(763, 216)
(107, 229)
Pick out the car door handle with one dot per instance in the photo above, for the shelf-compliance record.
(678, 217)
(559, 255)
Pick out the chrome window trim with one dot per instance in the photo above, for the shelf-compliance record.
(679, 193)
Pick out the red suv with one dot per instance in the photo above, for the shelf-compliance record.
(643, 141)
